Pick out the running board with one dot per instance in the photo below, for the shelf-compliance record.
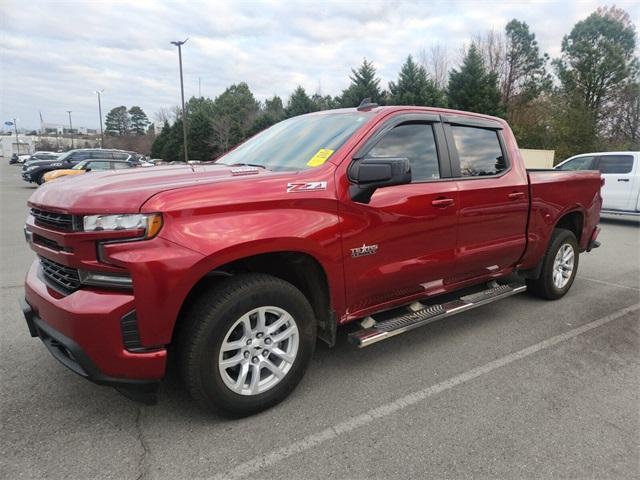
(394, 326)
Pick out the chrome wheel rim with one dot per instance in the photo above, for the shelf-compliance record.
(563, 265)
(258, 350)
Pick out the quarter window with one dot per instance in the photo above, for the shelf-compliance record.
(615, 164)
(479, 151)
(414, 141)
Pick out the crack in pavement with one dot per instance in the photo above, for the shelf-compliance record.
(143, 463)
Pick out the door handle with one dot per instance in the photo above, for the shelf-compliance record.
(516, 195)
(442, 202)
(623, 179)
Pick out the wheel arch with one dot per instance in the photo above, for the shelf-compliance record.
(301, 269)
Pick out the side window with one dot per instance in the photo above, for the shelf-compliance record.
(119, 165)
(479, 151)
(615, 164)
(580, 163)
(120, 156)
(414, 141)
(97, 165)
(79, 156)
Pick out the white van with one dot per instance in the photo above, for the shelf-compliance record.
(621, 173)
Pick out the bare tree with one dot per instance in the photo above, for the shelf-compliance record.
(493, 48)
(169, 115)
(436, 61)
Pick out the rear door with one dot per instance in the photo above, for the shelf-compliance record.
(620, 173)
(494, 198)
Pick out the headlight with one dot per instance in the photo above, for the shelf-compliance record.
(31, 168)
(150, 223)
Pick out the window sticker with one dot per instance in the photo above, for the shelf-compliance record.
(320, 157)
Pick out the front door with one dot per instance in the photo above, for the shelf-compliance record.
(402, 243)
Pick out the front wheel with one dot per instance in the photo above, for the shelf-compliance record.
(559, 268)
(246, 344)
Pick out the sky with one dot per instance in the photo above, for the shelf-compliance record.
(55, 54)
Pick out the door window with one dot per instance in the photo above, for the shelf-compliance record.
(99, 165)
(580, 163)
(616, 164)
(414, 141)
(479, 151)
(119, 165)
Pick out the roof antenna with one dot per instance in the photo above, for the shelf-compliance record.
(366, 104)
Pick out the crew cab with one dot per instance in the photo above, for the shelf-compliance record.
(621, 174)
(390, 217)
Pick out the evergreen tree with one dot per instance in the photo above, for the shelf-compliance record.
(117, 121)
(414, 87)
(199, 136)
(158, 144)
(299, 103)
(364, 84)
(138, 121)
(473, 88)
(272, 112)
(234, 112)
(326, 102)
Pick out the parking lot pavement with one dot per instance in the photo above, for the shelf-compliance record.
(519, 388)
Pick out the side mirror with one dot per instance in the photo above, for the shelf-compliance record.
(87, 169)
(369, 174)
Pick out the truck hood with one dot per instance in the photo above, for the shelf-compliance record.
(125, 191)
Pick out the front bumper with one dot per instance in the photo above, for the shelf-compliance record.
(83, 332)
(26, 176)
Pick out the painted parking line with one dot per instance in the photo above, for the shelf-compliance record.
(611, 284)
(335, 431)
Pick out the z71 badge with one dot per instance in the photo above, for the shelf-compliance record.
(364, 250)
(306, 187)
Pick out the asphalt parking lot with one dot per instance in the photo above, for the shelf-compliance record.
(521, 388)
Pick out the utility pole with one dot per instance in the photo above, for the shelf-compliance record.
(100, 113)
(184, 112)
(70, 128)
(15, 126)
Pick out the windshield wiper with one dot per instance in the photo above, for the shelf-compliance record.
(247, 165)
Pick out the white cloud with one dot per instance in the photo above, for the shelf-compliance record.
(55, 54)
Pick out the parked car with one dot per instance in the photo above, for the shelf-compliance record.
(621, 173)
(34, 171)
(363, 215)
(87, 166)
(43, 156)
(14, 159)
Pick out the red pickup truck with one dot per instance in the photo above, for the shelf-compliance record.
(392, 217)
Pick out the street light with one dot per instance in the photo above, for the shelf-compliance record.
(100, 113)
(184, 112)
(70, 128)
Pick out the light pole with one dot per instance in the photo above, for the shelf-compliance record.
(15, 126)
(184, 112)
(100, 113)
(70, 127)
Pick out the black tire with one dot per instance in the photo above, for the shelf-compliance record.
(207, 323)
(544, 286)
(40, 179)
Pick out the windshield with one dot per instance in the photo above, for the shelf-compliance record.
(299, 142)
(64, 156)
(80, 166)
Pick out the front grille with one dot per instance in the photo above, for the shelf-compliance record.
(60, 221)
(52, 244)
(64, 277)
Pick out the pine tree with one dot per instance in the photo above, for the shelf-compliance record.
(158, 144)
(299, 103)
(199, 136)
(117, 121)
(473, 88)
(138, 121)
(364, 84)
(414, 87)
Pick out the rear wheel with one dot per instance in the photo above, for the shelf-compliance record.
(246, 344)
(559, 268)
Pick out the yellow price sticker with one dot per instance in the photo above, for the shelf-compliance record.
(320, 157)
